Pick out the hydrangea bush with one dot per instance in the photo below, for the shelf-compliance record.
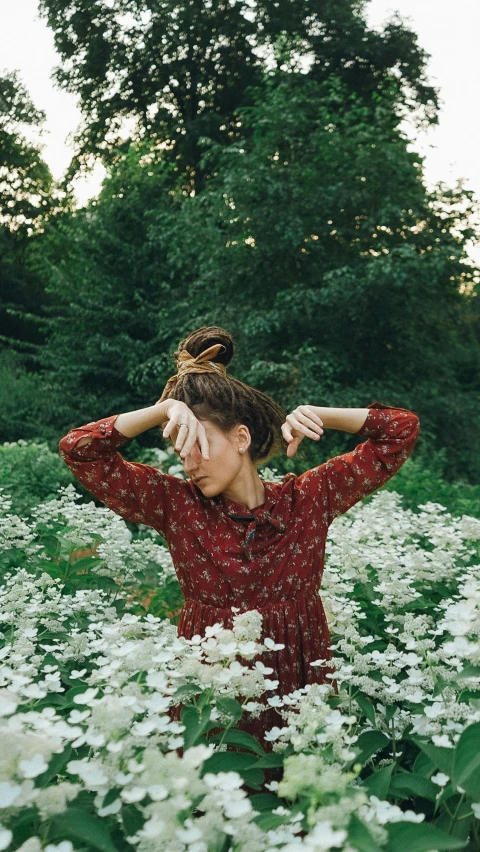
(91, 759)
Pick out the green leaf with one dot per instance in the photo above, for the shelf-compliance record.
(423, 765)
(76, 690)
(55, 766)
(409, 783)
(229, 707)
(268, 761)
(468, 671)
(132, 819)
(359, 836)
(253, 778)
(264, 801)
(81, 825)
(240, 738)
(234, 761)
(442, 758)
(268, 821)
(111, 796)
(51, 544)
(195, 724)
(85, 562)
(378, 783)
(227, 761)
(463, 823)
(369, 743)
(448, 792)
(390, 712)
(187, 689)
(366, 705)
(419, 837)
(466, 760)
(50, 700)
(440, 684)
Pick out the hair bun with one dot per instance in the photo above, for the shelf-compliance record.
(202, 338)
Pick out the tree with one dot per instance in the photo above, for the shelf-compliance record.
(314, 241)
(25, 198)
(321, 208)
(173, 72)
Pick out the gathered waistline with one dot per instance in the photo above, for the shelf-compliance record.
(311, 587)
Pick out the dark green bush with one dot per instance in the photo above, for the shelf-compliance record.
(31, 473)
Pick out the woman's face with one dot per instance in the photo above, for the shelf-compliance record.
(216, 474)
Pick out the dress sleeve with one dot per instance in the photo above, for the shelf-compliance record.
(339, 483)
(136, 492)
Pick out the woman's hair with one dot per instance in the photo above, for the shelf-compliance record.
(227, 401)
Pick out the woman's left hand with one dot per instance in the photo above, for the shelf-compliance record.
(301, 423)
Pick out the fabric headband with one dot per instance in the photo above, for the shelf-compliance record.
(201, 364)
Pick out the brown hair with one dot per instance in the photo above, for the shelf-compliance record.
(227, 401)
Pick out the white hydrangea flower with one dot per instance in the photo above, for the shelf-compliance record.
(440, 778)
(5, 837)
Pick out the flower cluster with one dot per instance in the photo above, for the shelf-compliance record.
(87, 686)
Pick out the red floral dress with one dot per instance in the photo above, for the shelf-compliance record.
(270, 558)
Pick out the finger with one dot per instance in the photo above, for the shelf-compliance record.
(190, 439)
(307, 421)
(303, 420)
(287, 432)
(300, 427)
(203, 441)
(293, 447)
(170, 427)
(306, 410)
(181, 435)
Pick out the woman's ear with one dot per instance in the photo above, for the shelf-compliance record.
(243, 438)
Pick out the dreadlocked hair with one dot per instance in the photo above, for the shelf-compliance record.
(227, 401)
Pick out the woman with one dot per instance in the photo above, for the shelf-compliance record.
(235, 540)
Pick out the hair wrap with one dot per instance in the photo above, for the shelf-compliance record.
(201, 364)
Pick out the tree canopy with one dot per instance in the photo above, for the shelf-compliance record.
(258, 178)
(26, 197)
(172, 72)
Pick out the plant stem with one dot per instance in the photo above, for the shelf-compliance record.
(454, 819)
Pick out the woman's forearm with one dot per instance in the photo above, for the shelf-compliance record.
(345, 419)
(132, 423)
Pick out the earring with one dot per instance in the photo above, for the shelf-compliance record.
(241, 449)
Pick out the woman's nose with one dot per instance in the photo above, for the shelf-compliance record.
(192, 459)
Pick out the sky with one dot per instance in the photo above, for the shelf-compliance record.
(448, 31)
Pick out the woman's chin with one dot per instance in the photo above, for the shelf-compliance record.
(209, 487)
(204, 483)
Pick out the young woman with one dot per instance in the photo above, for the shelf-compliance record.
(235, 540)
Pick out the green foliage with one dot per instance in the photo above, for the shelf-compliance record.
(81, 826)
(284, 206)
(26, 198)
(31, 473)
(178, 71)
(423, 478)
(314, 241)
(29, 403)
(25, 190)
(319, 218)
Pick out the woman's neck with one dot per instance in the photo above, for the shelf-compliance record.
(247, 489)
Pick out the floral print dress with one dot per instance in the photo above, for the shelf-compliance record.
(269, 558)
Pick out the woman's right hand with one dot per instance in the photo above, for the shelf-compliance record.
(184, 429)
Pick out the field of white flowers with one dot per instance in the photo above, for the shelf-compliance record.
(91, 760)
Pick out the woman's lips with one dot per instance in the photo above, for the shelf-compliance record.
(200, 479)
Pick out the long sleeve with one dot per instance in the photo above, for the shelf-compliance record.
(342, 481)
(136, 492)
